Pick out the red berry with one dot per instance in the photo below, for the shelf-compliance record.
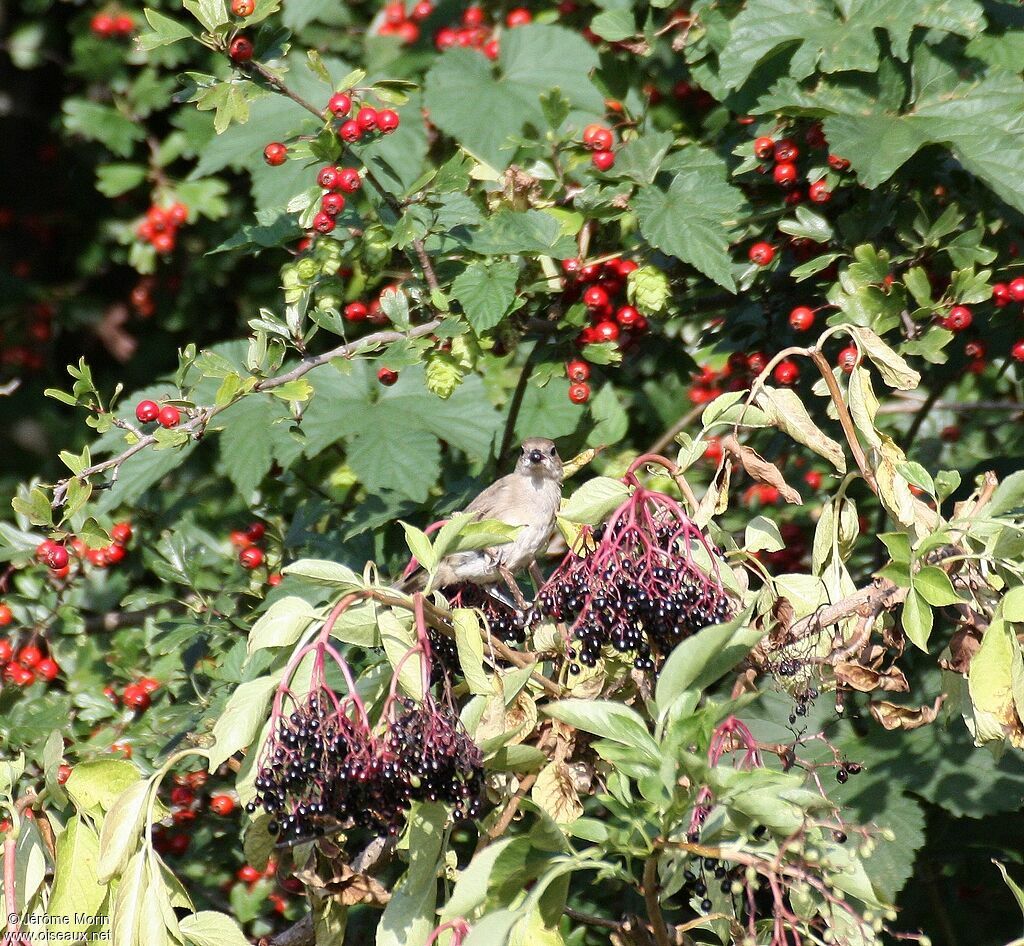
(19, 675)
(627, 316)
(177, 213)
(579, 393)
(114, 553)
(626, 266)
(121, 532)
(813, 479)
(63, 773)
(134, 697)
(837, 163)
(603, 160)
(57, 557)
(394, 13)
(801, 318)
(248, 874)
(598, 138)
(169, 416)
(177, 844)
(124, 24)
(339, 104)
(5, 616)
(47, 669)
(1017, 352)
(255, 531)
(786, 150)
(6, 651)
(756, 362)
(350, 131)
(111, 694)
(1000, 294)
(29, 656)
(243, 8)
(149, 684)
(222, 804)
(251, 557)
(387, 377)
(102, 24)
(240, 539)
(595, 297)
(323, 222)
(819, 193)
(975, 348)
(472, 16)
(577, 371)
(366, 118)
(606, 331)
(847, 359)
(590, 272)
(240, 49)
(761, 254)
(785, 174)
(349, 180)
(355, 311)
(146, 411)
(422, 10)
(1016, 289)
(332, 204)
(958, 319)
(387, 120)
(328, 177)
(764, 148)
(786, 372)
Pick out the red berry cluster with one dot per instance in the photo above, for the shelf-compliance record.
(782, 157)
(359, 311)
(247, 540)
(600, 287)
(735, 375)
(112, 25)
(476, 33)
(22, 667)
(366, 119)
(600, 140)
(1002, 295)
(186, 800)
(336, 182)
(402, 25)
(160, 226)
(148, 411)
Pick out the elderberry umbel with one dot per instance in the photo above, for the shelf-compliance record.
(632, 583)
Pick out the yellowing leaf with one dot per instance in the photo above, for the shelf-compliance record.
(555, 792)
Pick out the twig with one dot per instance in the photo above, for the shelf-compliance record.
(677, 427)
(500, 826)
(516, 403)
(651, 889)
(279, 86)
(591, 920)
(428, 268)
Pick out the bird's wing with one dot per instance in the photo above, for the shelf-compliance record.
(493, 502)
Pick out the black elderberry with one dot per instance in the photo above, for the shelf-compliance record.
(705, 905)
(841, 776)
(720, 872)
(839, 837)
(853, 768)
(725, 886)
(759, 831)
(700, 888)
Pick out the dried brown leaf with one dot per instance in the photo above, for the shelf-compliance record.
(866, 680)
(892, 716)
(760, 469)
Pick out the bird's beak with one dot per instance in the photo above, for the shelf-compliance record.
(536, 456)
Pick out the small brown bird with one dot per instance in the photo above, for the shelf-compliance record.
(528, 497)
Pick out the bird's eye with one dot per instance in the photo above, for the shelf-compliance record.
(554, 451)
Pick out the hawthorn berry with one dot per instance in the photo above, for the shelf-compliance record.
(813, 479)
(801, 318)
(121, 533)
(847, 359)
(57, 557)
(63, 773)
(764, 148)
(579, 393)
(241, 49)
(275, 154)
(6, 616)
(349, 180)
(163, 243)
(472, 16)
(786, 150)
(222, 805)
(255, 531)
(240, 539)
(18, 675)
(149, 684)
(975, 348)
(603, 160)
(837, 163)
(134, 697)
(332, 204)
(177, 214)
(595, 297)
(1017, 351)
(387, 120)
(248, 874)
(29, 656)
(251, 557)
(169, 416)
(756, 362)
(577, 371)
(113, 553)
(355, 311)
(339, 104)
(328, 177)
(48, 669)
(350, 131)
(6, 651)
(146, 411)
(323, 222)
(274, 579)
(597, 138)
(819, 193)
(102, 24)
(761, 254)
(958, 319)
(243, 8)
(1016, 289)
(366, 118)
(627, 316)
(387, 377)
(520, 16)
(785, 174)
(786, 372)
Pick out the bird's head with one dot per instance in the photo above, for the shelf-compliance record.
(540, 459)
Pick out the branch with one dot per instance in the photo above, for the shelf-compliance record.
(650, 884)
(197, 424)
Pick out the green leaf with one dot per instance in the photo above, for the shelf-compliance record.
(282, 624)
(610, 720)
(1012, 605)
(241, 720)
(462, 86)
(893, 368)
(1015, 889)
(128, 902)
(594, 501)
(470, 647)
(762, 534)
(163, 31)
(808, 225)
(209, 928)
(211, 13)
(96, 785)
(112, 180)
(695, 217)
(324, 573)
(786, 411)
(701, 659)
(121, 833)
(103, 124)
(935, 587)
(76, 890)
(615, 24)
(409, 916)
(917, 619)
(486, 292)
(521, 232)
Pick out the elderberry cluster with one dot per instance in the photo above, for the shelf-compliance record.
(323, 771)
(643, 601)
(505, 622)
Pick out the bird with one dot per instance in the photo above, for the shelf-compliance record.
(528, 497)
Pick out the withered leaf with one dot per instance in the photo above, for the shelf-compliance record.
(866, 680)
(760, 469)
(892, 716)
(350, 888)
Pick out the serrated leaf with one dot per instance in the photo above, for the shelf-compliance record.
(281, 624)
(209, 928)
(486, 293)
(594, 501)
(241, 720)
(163, 31)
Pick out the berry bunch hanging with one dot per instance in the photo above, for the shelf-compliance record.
(633, 584)
(160, 226)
